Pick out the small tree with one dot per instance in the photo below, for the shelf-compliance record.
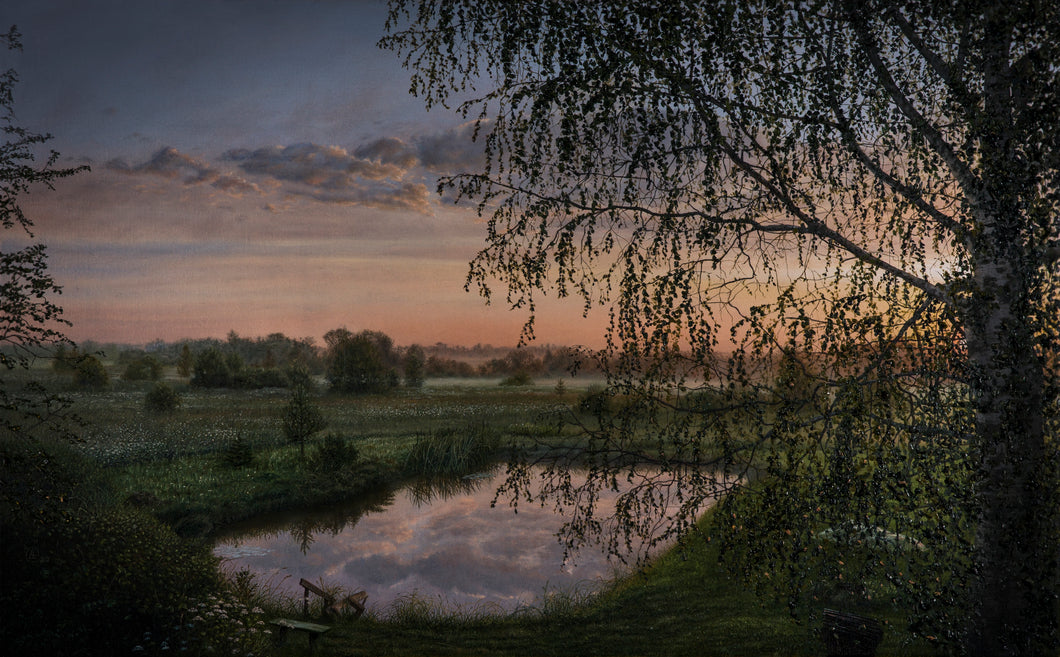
(211, 370)
(301, 418)
(185, 362)
(415, 366)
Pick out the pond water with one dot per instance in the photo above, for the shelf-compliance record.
(448, 545)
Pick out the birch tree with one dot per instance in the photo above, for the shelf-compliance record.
(826, 235)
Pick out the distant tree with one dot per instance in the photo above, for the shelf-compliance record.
(64, 359)
(360, 363)
(90, 373)
(301, 418)
(185, 362)
(415, 366)
(874, 183)
(211, 370)
(147, 368)
(30, 321)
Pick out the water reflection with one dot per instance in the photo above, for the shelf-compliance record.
(440, 539)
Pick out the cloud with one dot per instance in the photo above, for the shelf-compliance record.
(374, 177)
(170, 163)
(452, 151)
(389, 150)
(385, 173)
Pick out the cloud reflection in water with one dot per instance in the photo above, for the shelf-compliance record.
(454, 547)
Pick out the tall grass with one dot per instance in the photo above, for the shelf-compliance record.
(453, 451)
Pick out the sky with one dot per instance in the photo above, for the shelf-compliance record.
(256, 166)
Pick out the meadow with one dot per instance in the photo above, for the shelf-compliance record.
(222, 457)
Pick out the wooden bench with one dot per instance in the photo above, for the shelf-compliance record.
(353, 602)
(312, 630)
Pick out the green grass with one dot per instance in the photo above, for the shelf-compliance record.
(684, 603)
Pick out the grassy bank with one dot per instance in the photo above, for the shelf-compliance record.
(683, 604)
(180, 467)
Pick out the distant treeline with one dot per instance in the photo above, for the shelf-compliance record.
(351, 362)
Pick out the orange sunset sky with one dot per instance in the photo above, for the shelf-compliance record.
(256, 167)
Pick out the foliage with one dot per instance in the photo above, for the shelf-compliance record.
(239, 454)
(216, 625)
(839, 217)
(211, 370)
(161, 398)
(143, 369)
(90, 374)
(301, 418)
(186, 362)
(415, 365)
(520, 378)
(334, 452)
(360, 363)
(82, 575)
(30, 321)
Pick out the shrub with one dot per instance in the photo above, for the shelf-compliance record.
(238, 454)
(143, 369)
(83, 576)
(211, 370)
(257, 378)
(596, 400)
(520, 378)
(90, 374)
(161, 398)
(333, 453)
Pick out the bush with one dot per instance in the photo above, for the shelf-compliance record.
(257, 378)
(520, 378)
(333, 453)
(596, 400)
(162, 398)
(90, 374)
(239, 454)
(211, 370)
(83, 576)
(143, 369)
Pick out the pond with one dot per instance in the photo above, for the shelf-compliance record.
(445, 544)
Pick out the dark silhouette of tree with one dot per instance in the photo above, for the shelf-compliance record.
(211, 369)
(185, 362)
(30, 321)
(873, 184)
(360, 363)
(415, 365)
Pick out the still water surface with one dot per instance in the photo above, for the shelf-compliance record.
(448, 545)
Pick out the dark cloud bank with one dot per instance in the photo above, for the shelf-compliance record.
(387, 173)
